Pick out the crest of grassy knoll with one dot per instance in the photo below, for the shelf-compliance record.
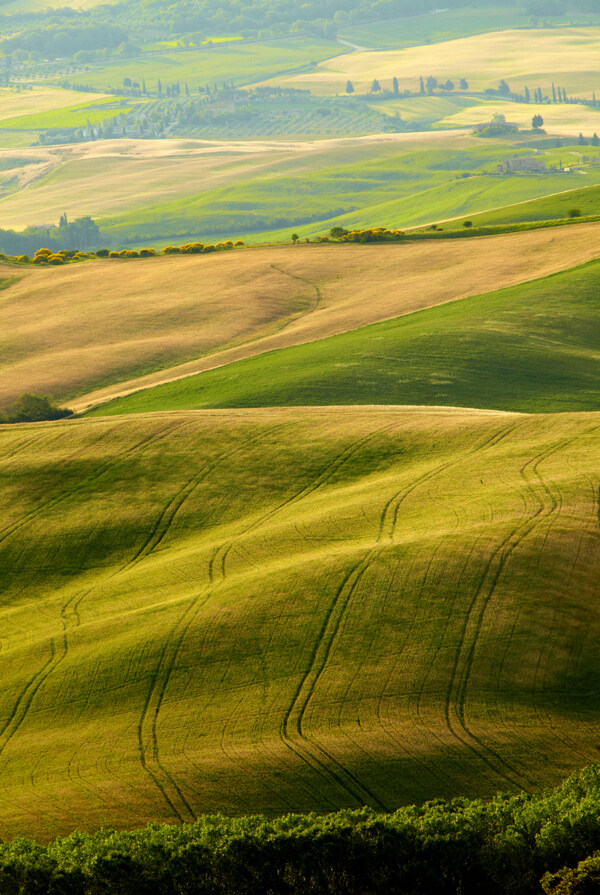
(277, 610)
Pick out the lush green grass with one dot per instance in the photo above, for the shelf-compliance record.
(239, 63)
(94, 111)
(548, 208)
(413, 188)
(291, 610)
(529, 348)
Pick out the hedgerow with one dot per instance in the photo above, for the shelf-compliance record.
(506, 845)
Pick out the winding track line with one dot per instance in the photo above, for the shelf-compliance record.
(58, 644)
(465, 653)
(220, 554)
(148, 739)
(82, 484)
(291, 730)
(176, 636)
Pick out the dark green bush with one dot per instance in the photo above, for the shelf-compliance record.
(502, 847)
(30, 408)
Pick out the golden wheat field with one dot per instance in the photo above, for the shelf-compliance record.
(566, 56)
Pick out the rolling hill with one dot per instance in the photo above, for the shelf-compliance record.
(287, 609)
(532, 348)
(90, 331)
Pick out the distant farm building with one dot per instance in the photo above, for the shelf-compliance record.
(529, 165)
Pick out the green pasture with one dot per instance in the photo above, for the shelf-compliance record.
(95, 112)
(557, 207)
(448, 24)
(293, 610)
(237, 62)
(411, 189)
(530, 348)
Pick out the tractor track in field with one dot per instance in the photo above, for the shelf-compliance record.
(318, 294)
(219, 556)
(567, 741)
(176, 636)
(291, 730)
(148, 741)
(462, 667)
(85, 482)
(58, 644)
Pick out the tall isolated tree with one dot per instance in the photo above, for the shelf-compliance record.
(375, 86)
(421, 85)
(463, 84)
(527, 95)
(553, 93)
(537, 121)
(349, 87)
(395, 84)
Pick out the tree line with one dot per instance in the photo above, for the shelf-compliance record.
(511, 845)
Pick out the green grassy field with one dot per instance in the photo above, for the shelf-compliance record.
(239, 63)
(293, 609)
(418, 186)
(529, 348)
(547, 208)
(85, 332)
(443, 25)
(95, 111)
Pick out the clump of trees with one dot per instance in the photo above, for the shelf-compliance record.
(29, 408)
(511, 845)
(372, 234)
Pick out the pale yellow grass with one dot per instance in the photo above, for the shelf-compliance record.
(568, 56)
(558, 119)
(147, 172)
(92, 331)
(41, 99)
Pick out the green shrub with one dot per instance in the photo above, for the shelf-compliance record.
(30, 408)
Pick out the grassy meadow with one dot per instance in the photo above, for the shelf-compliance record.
(286, 610)
(233, 62)
(431, 178)
(529, 348)
(109, 326)
(449, 24)
(265, 189)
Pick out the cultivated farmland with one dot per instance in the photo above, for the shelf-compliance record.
(530, 348)
(539, 56)
(106, 322)
(293, 609)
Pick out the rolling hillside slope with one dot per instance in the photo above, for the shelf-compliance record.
(533, 347)
(293, 609)
(93, 327)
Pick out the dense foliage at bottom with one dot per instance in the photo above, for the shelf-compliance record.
(519, 844)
